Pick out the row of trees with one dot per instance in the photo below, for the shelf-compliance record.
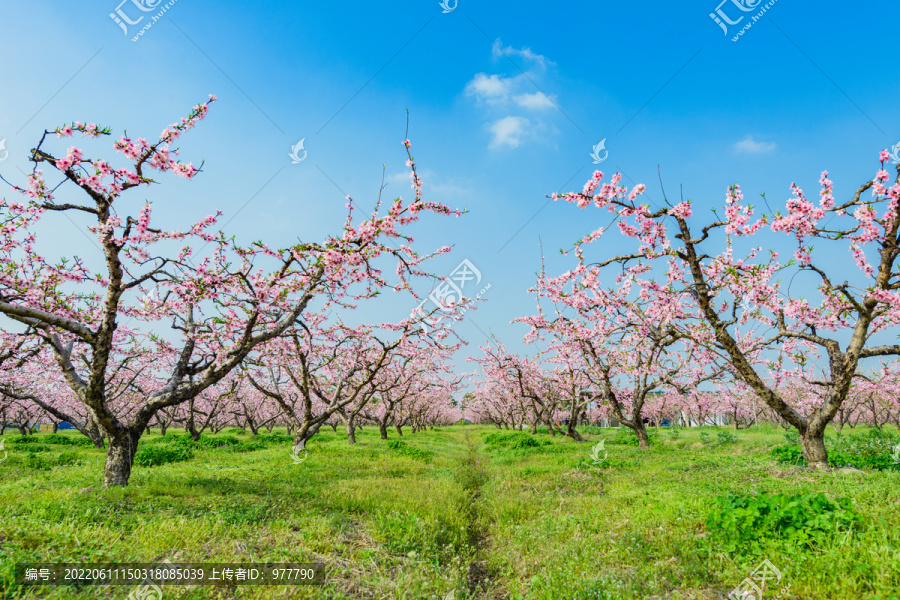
(682, 312)
(550, 398)
(402, 395)
(151, 332)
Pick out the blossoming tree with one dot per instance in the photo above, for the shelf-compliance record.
(220, 307)
(740, 308)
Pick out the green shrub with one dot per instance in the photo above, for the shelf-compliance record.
(747, 524)
(791, 455)
(245, 447)
(591, 430)
(873, 442)
(26, 439)
(404, 450)
(172, 439)
(626, 437)
(525, 442)
(37, 462)
(500, 438)
(673, 433)
(727, 437)
(871, 448)
(223, 443)
(152, 456)
(32, 448)
(704, 437)
(515, 442)
(793, 438)
(44, 462)
(68, 458)
(219, 441)
(65, 440)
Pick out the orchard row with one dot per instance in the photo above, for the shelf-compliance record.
(188, 327)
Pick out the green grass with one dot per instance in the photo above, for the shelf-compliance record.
(488, 513)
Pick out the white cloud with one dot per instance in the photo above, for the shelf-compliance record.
(498, 50)
(504, 95)
(493, 89)
(508, 131)
(750, 146)
(535, 101)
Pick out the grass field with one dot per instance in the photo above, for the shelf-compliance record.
(486, 513)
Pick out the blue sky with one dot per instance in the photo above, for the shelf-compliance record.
(505, 101)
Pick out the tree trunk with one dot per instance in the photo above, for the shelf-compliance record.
(351, 429)
(92, 431)
(120, 458)
(383, 430)
(813, 444)
(572, 432)
(641, 432)
(302, 434)
(399, 429)
(191, 424)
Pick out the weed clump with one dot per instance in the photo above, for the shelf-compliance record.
(878, 450)
(153, 456)
(415, 453)
(748, 524)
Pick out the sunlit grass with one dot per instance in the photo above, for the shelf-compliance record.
(445, 511)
